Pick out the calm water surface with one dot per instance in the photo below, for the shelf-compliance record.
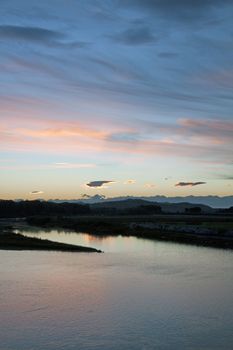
(139, 294)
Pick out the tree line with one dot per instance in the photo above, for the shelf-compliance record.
(12, 209)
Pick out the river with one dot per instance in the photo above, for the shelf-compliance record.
(140, 294)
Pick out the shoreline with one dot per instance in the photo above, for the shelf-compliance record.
(150, 227)
(16, 241)
(206, 231)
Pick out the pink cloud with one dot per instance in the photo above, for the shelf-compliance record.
(196, 139)
(72, 165)
(58, 166)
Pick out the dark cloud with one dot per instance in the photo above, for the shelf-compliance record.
(29, 33)
(135, 36)
(182, 184)
(39, 35)
(99, 183)
(177, 9)
(36, 192)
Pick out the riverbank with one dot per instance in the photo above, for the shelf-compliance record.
(199, 230)
(189, 229)
(13, 241)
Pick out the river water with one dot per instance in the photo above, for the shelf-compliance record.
(139, 294)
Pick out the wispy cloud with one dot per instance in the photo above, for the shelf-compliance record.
(182, 184)
(188, 138)
(179, 10)
(130, 182)
(135, 36)
(219, 131)
(225, 177)
(36, 34)
(73, 165)
(18, 166)
(39, 35)
(63, 131)
(196, 139)
(149, 185)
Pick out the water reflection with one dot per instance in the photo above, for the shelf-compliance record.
(140, 294)
(105, 243)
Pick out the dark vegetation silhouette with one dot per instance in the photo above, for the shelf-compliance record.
(193, 210)
(15, 241)
(227, 211)
(185, 223)
(21, 209)
(145, 210)
(12, 209)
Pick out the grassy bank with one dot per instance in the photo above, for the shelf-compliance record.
(13, 241)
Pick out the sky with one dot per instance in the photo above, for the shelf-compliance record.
(116, 97)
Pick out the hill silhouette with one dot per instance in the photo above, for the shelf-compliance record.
(11, 209)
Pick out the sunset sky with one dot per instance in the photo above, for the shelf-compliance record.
(116, 97)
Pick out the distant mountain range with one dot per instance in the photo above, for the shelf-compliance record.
(131, 203)
(211, 201)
